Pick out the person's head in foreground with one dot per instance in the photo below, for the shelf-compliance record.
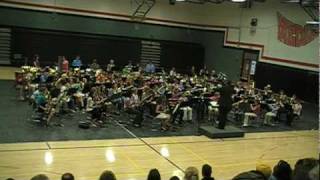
(40, 177)
(107, 175)
(191, 173)
(206, 172)
(250, 175)
(282, 171)
(303, 167)
(67, 176)
(154, 174)
(174, 178)
(264, 169)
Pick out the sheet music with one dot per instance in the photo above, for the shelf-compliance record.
(214, 103)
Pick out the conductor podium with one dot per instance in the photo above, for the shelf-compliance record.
(213, 132)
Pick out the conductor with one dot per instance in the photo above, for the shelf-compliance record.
(225, 104)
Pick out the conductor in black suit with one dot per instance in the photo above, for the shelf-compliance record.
(225, 103)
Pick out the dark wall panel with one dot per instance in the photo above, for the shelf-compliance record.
(181, 56)
(305, 84)
(216, 56)
(50, 45)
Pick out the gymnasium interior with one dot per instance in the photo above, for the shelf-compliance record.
(159, 89)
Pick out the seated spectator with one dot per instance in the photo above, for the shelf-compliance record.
(107, 175)
(303, 167)
(314, 173)
(281, 171)
(67, 176)
(174, 178)
(250, 175)
(191, 173)
(265, 170)
(40, 177)
(206, 172)
(154, 175)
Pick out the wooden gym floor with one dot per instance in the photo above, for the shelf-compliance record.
(131, 159)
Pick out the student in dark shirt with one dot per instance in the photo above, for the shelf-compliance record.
(206, 172)
(225, 104)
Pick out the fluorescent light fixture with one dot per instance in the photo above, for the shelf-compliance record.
(238, 1)
(180, 0)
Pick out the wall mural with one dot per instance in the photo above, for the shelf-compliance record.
(292, 34)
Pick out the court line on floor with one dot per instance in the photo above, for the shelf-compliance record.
(48, 145)
(146, 143)
(155, 144)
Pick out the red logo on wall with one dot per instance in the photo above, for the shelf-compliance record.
(293, 34)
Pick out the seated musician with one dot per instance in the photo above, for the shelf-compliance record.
(94, 65)
(267, 90)
(282, 96)
(173, 72)
(134, 99)
(65, 65)
(76, 63)
(162, 114)
(150, 67)
(131, 101)
(254, 112)
(36, 61)
(282, 112)
(78, 95)
(185, 107)
(111, 65)
(272, 112)
(297, 108)
(213, 110)
(289, 111)
(41, 101)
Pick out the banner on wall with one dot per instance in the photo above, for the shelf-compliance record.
(293, 34)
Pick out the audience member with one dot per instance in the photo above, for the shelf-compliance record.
(206, 172)
(154, 175)
(107, 175)
(40, 177)
(67, 176)
(191, 173)
(265, 170)
(250, 175)
(174, 178)
(314, 173)
(281, 171)
(303, 167)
